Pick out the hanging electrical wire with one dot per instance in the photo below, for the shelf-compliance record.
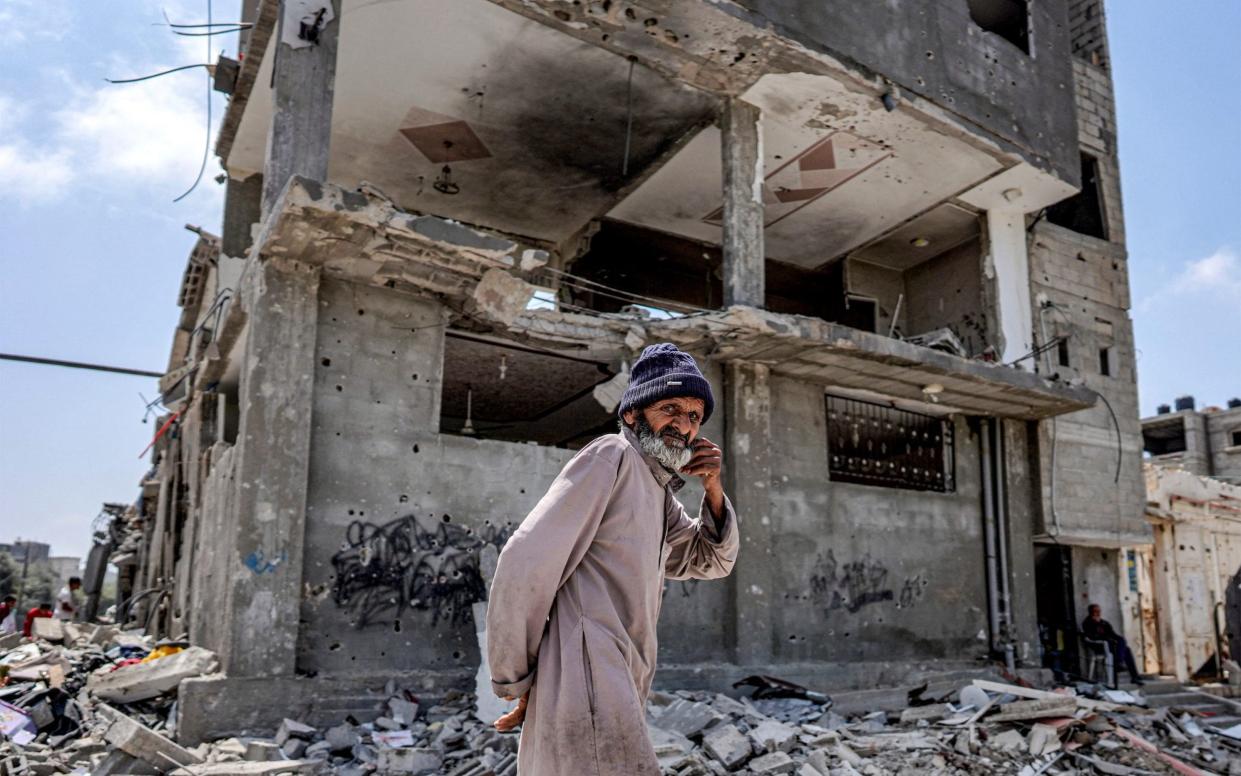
(157, 75)
(202, 167)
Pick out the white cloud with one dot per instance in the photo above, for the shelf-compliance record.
(1219, 273)
(1214, 277)
(34, 175)
(33, 21)
(151, 131)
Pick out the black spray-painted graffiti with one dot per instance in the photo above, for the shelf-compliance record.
(381, 571)
(851, 586)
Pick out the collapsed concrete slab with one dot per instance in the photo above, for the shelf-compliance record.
(148, 680)
(137, 740)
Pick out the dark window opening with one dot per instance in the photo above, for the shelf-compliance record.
(1105, 362)
(1062, 351)
(1083, 212)
(1235, 436)
(630, 266)
(1164, 439)
(1010, 19)
(508, 392)
(870, 444)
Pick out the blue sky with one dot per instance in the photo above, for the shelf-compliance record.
(94, 246)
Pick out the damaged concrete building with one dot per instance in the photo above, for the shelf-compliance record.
(891, 233)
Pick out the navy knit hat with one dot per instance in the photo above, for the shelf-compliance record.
(663, 372)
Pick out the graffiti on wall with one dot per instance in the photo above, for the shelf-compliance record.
(856, 584)
(381, 571)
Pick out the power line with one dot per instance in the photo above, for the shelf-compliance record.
(79, 365)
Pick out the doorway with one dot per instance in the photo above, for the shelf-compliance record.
(1057, 616)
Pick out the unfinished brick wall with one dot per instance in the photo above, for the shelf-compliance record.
(1088, 28)
(1086, 279)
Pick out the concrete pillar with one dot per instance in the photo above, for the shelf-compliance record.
(264, 563)
(747, 396)
(741, 140)
(1197, 456)
(303, 83)
(1010, 267)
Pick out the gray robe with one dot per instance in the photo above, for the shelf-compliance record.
(575, 602)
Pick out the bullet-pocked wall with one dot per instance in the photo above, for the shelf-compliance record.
(397, 512)
(1001, 65)
(867, 573)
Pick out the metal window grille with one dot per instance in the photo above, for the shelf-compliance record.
(871, 444)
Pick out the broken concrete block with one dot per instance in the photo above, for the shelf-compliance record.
(291, 728)
(294, 748)
(136, 739)
(48, 629)
(809, 770)
(670, 747)
(409, 760)
(342, 737)
(116, 763)
(687, 717)
(1063, 706)
(274, 768)
(728, 745)
(262, 751)
(403, 711)
(931, 712)
(772, 735)
(1009, 741)
(774, 762)
(142, 681)
(501, 296)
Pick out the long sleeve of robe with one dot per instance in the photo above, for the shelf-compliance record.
(575, 602)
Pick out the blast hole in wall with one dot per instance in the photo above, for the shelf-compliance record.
(415, 448)
(396, 626)
(326, 362)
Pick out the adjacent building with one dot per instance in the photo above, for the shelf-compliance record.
(1205, 442)
(891, 233)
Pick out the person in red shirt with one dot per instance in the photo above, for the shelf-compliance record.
(42, 610)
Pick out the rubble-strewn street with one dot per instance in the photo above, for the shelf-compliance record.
(95, 700)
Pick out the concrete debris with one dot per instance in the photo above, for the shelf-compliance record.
(142, 681)
(55, 721)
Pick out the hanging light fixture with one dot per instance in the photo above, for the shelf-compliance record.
(444, 183)
(468, 428)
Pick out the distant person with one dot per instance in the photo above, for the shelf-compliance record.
(42, 610)
(8, 614)
(1099, 629)
(67, 599)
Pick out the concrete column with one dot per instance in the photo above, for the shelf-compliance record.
(1197, 456)
(1010, 266)
(741, 140)
(747, 396)
(264, 566)
(303, 83)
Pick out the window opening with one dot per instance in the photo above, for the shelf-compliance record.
(1236, 438)
(1105, 362)
(1010, 19)
(510, 392)
(870, 444)
(1062, 351)
(1164, 438)
(1083, 212)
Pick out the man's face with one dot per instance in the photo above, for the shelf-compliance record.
(74, 585)
(668, 427)
(1096, 613)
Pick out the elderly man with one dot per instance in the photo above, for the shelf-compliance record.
(576, 596)
(1096, 628)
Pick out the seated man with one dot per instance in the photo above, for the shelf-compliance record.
(1099, 629)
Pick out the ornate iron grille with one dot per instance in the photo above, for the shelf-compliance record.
(871, 444)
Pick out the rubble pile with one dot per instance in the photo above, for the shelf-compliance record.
(982, 728)
(96, 700)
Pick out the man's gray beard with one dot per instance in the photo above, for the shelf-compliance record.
(670, 458)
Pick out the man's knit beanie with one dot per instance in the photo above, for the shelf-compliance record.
(664, 372)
